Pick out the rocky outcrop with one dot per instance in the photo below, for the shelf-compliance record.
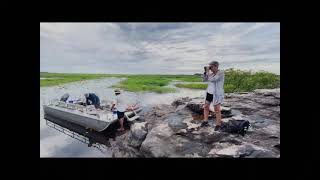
(197, 105)
(261, 102)
(269, 92)
(244, 150)
(174, 130)
(181, 101)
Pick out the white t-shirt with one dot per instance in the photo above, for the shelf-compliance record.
(120, 102)
(215, 83)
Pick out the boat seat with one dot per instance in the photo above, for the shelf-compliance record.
(135, 116)
(137, 110)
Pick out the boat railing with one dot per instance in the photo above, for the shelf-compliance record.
(68, 105)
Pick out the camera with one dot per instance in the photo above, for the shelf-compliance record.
(206, 68)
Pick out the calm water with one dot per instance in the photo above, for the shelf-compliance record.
(56, 144)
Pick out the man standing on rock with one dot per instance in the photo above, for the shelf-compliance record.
(215, 92)
(120, 103)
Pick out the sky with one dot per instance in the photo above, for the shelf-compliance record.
(158, 48)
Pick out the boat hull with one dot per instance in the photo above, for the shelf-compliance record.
(79, 118)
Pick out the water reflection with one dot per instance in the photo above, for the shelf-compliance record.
(55, 144)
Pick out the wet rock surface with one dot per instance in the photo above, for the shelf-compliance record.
(174, 130)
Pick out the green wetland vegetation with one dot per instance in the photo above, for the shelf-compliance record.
(235, 81)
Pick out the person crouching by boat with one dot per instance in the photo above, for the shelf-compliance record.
(121, 106)
(92, 99)
(215, 92)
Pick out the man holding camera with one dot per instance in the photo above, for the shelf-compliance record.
(215, 92)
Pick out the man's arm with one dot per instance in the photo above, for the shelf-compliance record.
(216, 77)
(113, 104)
(205, 76)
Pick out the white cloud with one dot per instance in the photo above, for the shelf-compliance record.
(126, 48)
(252, 28)
(228, 26)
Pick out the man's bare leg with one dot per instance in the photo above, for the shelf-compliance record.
(217, 110)
(121, 125)
(205, 114)
(206, 110)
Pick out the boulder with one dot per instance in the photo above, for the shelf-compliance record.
(139, 130)
(157, 142)
(162, 142)
(176, 123)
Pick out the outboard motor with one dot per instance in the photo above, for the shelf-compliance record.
(65, 97)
